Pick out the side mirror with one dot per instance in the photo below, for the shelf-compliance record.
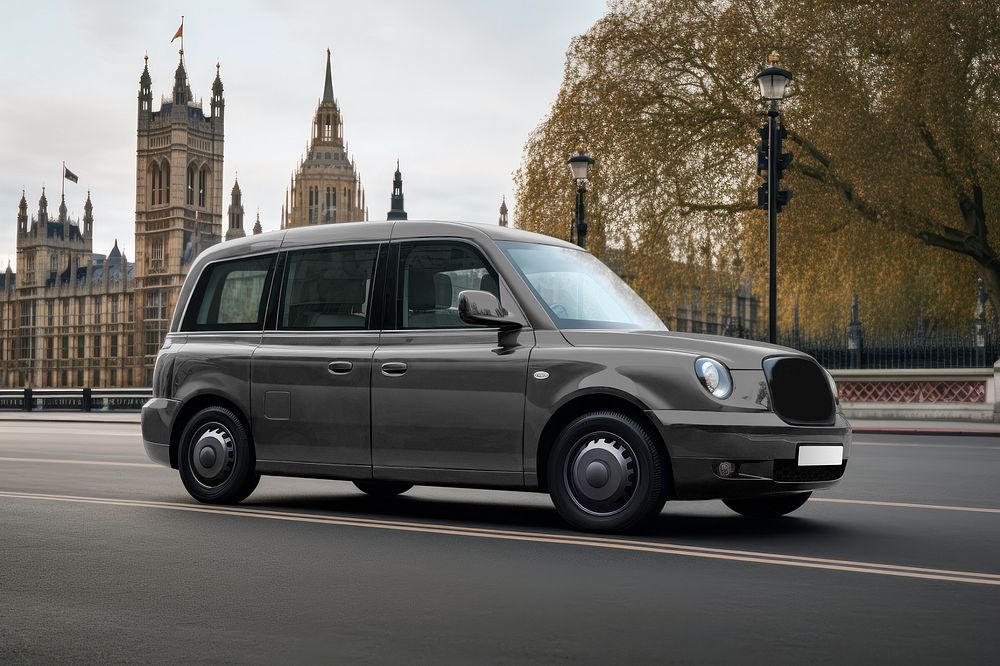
(483, 308)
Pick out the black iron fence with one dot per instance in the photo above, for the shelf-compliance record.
(74, 400)
(978, 348)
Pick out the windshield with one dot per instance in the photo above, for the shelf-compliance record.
(578, 290)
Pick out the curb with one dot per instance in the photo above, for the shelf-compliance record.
(963, 432)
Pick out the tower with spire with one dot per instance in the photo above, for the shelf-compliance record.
(396, 210)
(179, 193)
(325, 188)
(235, 213)
(503, 212)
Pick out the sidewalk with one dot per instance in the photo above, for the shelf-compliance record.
(72, 417)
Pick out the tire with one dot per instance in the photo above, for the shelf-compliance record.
(768, 506)
(607, 473)
(224, 471)
(383, 488)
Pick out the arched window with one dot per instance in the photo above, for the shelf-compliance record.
(53, 263)
(190, 186)
(165, 171)
(203, 186)
(155, 184)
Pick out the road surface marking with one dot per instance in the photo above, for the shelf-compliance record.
(907, 505)
(61, 461)
(541, 537)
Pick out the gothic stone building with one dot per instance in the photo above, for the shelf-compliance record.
(70, 317)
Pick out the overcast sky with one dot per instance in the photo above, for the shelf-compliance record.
(452, 88)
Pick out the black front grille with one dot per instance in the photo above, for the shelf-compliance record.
(789, 470)
(800, 391)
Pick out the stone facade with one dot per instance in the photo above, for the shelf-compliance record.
(70, 317)
(67, 318)
(326, 187)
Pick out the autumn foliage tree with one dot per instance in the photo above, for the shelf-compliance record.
(893, 117)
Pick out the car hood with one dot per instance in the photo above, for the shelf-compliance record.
(736, 353)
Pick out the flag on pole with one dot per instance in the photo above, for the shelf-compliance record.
(179, 33)
(69, 175)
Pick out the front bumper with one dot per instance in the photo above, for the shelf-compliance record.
(157, 420)
(762, 447)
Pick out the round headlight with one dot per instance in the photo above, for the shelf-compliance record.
(714, 376)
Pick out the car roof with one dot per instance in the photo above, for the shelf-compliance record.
(372, 231)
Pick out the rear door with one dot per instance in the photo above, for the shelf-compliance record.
(312, 370)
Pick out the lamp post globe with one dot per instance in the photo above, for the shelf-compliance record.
(773, 81)
(579, 166)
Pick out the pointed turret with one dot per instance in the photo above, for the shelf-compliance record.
(62, 209)
(22, 215)
(218, 102)
(145, 91)
(43, 208)
(396, 211)
(236, 214)
(182, 90)
(88, 217)
(257, 229)
(503, 211)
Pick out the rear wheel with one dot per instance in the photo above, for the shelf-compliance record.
(607, 473)
(382, 488)
(216, 459)
(768, 506)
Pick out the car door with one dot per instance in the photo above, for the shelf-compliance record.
(445, 395)
(312, 371)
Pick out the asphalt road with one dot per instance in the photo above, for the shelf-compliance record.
(104, 558)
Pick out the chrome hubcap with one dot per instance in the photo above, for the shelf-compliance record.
(213, 455)
(602, 474)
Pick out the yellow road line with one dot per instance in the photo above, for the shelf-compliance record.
(907, 505)
(539, 537)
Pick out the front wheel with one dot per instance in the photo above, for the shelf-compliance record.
(768, 506)
(607, 473)
(216, 458)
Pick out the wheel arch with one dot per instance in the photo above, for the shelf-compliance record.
(194, 405)
(583, 403)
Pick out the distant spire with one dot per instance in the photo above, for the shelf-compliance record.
(256, 225)
(328, 87)
(503, 211)
(396, 211)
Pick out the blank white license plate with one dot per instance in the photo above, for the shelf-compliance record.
(821, 455)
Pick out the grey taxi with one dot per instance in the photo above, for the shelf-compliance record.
(395, 354)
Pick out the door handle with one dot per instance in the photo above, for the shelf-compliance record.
(340, 367)
(393, 369)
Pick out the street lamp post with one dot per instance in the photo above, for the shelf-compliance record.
(579, 166)
(773, 81)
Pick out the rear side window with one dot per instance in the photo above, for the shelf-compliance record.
(230, 296)
(329, 289)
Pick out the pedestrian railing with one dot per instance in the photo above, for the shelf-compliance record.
(74, 400)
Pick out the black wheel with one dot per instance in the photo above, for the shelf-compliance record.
(216, 459)
(607, 473)
(768, 506)
(382, 488)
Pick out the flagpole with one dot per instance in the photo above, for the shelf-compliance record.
(62, 193)
(182, 36)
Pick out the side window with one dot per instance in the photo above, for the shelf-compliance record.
(432, 275)
(230, 296)
(329, 288)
